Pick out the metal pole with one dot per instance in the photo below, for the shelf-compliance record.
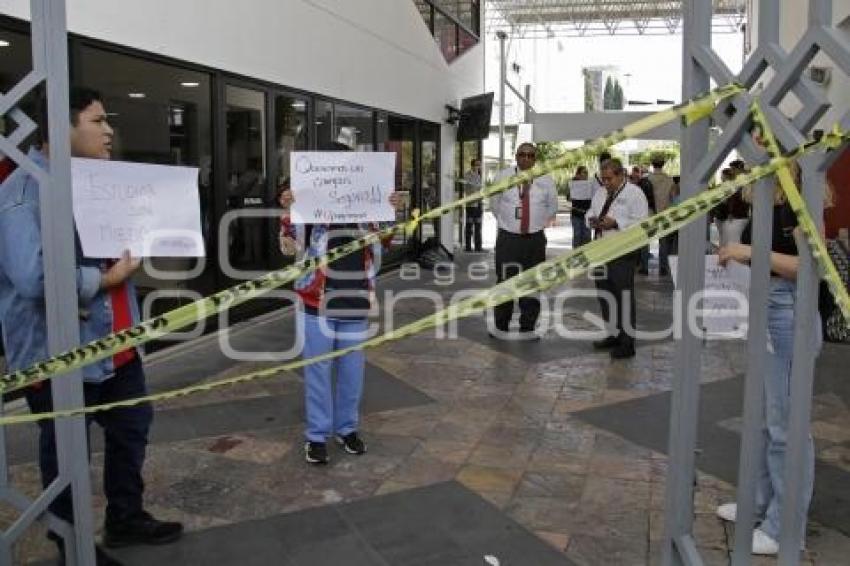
(503, 77)
(49, 25)
(685, 399)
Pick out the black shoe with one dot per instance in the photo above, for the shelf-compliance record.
(643, 271)
(609, 342)
(316, 452)
(101, 558)
(622, 352)
(352, 443)
(467, 250)
(528, 335)
(140, 528)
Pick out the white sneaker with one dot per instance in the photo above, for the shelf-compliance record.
(763, 544)
(728, 512)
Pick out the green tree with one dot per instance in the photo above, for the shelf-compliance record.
(608, 95)
(617, 102)
(553, 150)
(589, 106)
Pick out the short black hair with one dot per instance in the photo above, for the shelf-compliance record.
(658, 161)
(81, 98)
(604, 156)
(614, 165)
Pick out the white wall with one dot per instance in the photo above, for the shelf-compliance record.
(793, 23)
(373, 52)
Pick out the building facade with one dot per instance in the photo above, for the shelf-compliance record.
(233, 88)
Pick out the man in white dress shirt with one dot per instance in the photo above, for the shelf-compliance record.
(522, 213)
(615, 207)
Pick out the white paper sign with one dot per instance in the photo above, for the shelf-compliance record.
(724, 306)
(582, 190)
(338, 187)
(151, 210)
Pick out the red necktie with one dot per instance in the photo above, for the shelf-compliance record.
(526, 208)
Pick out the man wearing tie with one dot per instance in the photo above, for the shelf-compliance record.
(617, 205)
(521, 212)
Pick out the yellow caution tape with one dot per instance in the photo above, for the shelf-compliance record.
(828, 271)
(544, 276)
(162, 325)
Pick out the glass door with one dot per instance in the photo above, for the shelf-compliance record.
(430, 177)
(247, 245)
(291, 115)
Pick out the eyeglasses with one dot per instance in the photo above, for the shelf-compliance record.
(526, 154)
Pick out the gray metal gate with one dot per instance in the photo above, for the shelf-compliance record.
(699, 162)
(50, 69)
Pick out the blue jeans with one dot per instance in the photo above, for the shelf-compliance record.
(777, 405)
(332, 410)
(581, 233)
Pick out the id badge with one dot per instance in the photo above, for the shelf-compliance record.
(518, 212)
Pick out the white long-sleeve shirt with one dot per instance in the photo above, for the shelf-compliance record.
(629, 208)
(543, 204)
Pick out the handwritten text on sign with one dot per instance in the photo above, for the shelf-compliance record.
(723, 303)
(337, 187)
(151, 210)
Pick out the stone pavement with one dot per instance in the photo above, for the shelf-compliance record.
(480, 452)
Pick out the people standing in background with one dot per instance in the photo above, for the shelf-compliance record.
(473, 212)
(581, 193)
(638, 178)
(732, 215)
(522, 213)
(771, 489)
(615, 208)
(663, 192)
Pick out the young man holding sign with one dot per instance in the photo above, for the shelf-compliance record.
(336, 301)
(107, 302)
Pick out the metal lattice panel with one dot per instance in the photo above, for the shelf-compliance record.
(553, 18)
(784, 75)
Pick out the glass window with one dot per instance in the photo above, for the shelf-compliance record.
(430, 177)
(324, 123)
(445, 34)
(353, 127)
(246, 175)
(398, 135)
(160, 114)
(424, 9)
(290, 131)
(16, 59)
(465, 41)
(290, 122)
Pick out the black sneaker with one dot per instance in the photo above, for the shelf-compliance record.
(316, 452)
(140, 528)
(623, 352)
(352, 443)
(610, 342)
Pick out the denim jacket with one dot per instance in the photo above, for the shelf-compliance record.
(22, 306)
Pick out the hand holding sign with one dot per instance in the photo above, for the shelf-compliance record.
(340, 187)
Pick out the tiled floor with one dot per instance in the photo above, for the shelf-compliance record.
(474, 446)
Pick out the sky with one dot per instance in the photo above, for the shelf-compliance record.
(650, 65)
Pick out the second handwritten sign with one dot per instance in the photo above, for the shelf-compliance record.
(340, 187)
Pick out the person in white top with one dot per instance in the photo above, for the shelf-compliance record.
(521, 214)
(615, 207)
